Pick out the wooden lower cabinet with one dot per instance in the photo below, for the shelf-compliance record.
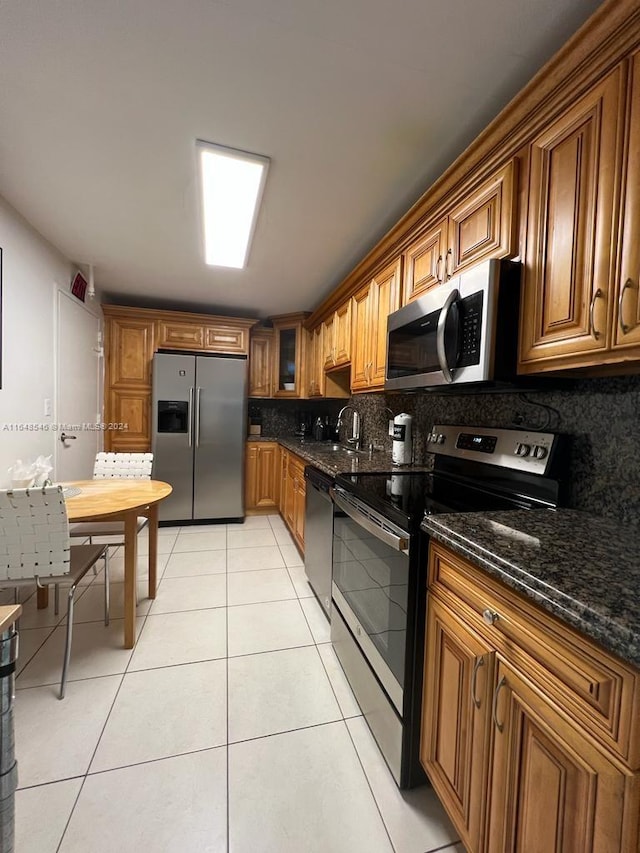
(274, 478)
(551, 789)
(282, 491)
(456, 718)
(295, 498)
(261, 475)
(515, 765)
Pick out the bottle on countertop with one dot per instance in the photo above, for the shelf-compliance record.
(318, 429)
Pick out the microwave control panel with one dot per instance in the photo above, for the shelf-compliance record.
(471, 329)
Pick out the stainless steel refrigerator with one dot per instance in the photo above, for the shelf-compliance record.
(199, 418)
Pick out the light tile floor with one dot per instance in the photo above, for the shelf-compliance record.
(230, 727)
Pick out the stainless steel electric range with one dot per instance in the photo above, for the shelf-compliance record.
(380, 564)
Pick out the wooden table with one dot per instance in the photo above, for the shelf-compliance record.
(9, 614)
(112, 499)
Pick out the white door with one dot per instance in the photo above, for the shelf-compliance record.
(78, 371)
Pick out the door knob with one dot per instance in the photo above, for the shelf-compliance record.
(64, 437)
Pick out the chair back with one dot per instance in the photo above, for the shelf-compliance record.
(34, 533)
(135, 466)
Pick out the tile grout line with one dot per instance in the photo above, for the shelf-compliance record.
(102, 730)
(364, 773)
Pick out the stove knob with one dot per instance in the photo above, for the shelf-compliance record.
(441, 439)
(523, 449)
(539, 452)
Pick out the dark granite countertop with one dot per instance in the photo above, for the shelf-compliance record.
(318, 453)
(583, 569)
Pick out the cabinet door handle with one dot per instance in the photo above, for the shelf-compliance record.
(494, 707)
(479, 662)
(592, 308)
(623, 326)
(448, 270)
(439, 269)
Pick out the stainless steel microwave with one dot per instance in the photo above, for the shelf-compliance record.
(464, 331)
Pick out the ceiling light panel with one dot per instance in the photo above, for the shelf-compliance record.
(232, 183)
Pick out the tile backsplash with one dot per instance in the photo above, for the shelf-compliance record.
(602, 416)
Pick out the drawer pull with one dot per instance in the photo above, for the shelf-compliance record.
(490, 616)
(494, 709)
(479, 662)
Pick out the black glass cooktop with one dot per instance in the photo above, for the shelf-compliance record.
(405, 498)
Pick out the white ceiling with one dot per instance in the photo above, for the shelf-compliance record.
(360, 104)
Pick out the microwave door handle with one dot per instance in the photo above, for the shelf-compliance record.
(396, 542)
(440, 333)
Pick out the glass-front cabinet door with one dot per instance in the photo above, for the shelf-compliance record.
(289, 362)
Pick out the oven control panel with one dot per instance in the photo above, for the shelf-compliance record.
(523, 450)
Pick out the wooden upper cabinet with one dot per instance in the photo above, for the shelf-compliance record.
(551, 789)
(482, 225)
(360, 320)
(385, 298)
(627, 294)
(130, 347)
(328, 342)
(342, 334)
(290, 356)
(458, 678)
(173, 334)
(570, 256)
(336, 331)
(261, 363)
(424, 262)
(315, 362)
(370, 308)
(227, 339)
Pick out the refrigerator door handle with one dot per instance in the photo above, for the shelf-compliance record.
(190, 416)
(198, 390)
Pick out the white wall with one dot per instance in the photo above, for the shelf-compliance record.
(32, 272)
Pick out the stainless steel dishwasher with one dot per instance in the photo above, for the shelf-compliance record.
(318, 535)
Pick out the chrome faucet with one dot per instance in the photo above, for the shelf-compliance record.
(355, 426)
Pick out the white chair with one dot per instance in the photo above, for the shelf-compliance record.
(129, 466)
(35, 546)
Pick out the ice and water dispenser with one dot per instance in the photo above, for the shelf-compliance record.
(173, 416)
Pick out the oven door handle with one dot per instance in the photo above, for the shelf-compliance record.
(440, 333)
(398, 543)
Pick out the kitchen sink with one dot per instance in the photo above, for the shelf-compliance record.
(337, 448)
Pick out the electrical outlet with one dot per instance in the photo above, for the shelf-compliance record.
(47, 407)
